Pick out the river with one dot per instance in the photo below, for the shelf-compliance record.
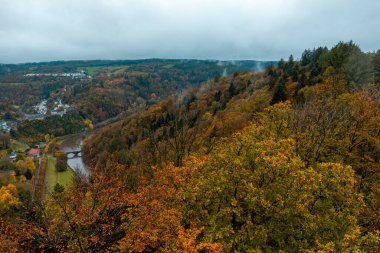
(74, 143)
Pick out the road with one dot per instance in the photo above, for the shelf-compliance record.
(36, 178)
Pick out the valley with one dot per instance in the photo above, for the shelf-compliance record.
(183, 126)
(47, 109)
(192, 156)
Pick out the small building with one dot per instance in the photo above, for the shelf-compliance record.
(12, 155)
(4, 127)
(34, 152)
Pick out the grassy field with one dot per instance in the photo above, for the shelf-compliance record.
(17, 145)
(53, 177)
(61, 139)
(92, 70)
(168, 66)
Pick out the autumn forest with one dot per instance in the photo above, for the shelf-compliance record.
(193, 156)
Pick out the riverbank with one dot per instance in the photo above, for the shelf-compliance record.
(73, 143)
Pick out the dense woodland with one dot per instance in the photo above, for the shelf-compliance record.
(282, 160)
(111, 89)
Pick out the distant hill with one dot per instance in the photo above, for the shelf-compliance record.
(69, 66)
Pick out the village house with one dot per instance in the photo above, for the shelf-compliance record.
(34, 152)
(4, 127)
(12, 155)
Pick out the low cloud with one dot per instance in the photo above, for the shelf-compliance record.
(44, 30)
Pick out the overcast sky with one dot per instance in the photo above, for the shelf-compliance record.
(45, 30)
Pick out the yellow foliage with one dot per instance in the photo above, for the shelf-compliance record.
(30, 164)
(22, 179)
(8, 198)
(3, 153)
(20, 164)
(89, 124)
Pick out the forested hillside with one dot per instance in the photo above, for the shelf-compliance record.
(100, 90)
(282, 160)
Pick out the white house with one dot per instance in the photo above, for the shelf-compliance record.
(4, 127)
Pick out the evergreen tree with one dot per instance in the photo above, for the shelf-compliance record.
(376, 66)
(295, 73)
(217, 95)
(302, 80)
(341, 53)
(270, 70)
(232, 90)
(281, 64)
(291, 60)
(289, 66)
(58, 188)
(306, 57)
(280, 93)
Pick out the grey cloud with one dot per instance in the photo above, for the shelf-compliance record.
(41, 30)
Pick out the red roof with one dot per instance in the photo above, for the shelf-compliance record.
(34, 152)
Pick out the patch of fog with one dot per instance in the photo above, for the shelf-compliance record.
(221, 63)
(259, 66)
(224, 74)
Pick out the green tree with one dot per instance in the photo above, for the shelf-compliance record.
(376, 65)
(8, 116)
(58, 188)
(61, 164)
(339, 54)
(281, 64)
(280, 94)
(358, 69)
